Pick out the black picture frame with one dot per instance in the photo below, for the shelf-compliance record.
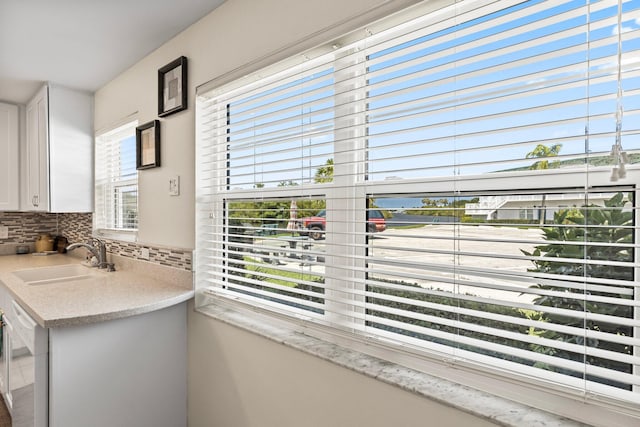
(172, 87)
(148, 145)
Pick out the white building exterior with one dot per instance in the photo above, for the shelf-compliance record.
(529, 206)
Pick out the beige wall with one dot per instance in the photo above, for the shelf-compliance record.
(238, 379)
(235, 378)
(238, 33)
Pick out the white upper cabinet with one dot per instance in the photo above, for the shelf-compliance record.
(36, 161)
(9, 146)
(58, 157)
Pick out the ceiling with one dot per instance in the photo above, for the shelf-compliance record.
(83, 43)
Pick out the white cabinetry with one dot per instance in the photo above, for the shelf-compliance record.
(125, 372)
(9, 145)
(58, 160)
(4, 367)
(26, 359)
(23, 365)
(36, 161)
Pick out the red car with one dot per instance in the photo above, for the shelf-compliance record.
(314, 226)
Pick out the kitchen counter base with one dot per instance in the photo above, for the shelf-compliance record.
(124, 372)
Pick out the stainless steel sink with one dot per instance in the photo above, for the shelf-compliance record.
(55, 274)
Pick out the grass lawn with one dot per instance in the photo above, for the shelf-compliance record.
(293, 276)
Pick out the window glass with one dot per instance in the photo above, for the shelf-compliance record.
(116, 186)
(271, 256)
(272, 128)
(461, 271)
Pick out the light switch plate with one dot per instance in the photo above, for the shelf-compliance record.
(174, 186)
(4, 232)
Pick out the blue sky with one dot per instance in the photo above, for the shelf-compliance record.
(449, 92)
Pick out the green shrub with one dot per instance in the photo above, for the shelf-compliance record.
(445, 313)
(610, 224)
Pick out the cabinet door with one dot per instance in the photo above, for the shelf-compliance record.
(37, 156)
(124, 372)
(7, 351)
(4, 367)
(70, 150)
(9, 145)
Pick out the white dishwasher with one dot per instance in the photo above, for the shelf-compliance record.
(26, 347)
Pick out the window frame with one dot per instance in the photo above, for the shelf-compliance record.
(114, 184)
(356, 192)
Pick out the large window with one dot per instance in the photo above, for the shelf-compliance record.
(460, 185)
(116, 182)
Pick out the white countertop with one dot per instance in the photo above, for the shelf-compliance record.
(136, 287)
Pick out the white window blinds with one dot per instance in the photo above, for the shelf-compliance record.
(462, 184)
(116, 180)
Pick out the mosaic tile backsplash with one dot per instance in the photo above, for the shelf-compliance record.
(170, 257)
(25, 227)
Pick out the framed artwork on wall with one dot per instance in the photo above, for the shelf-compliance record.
(172, 87)
(148, 145)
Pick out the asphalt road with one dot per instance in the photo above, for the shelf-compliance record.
(433, 258)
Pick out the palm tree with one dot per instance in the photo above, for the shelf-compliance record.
(544, 152)
(324, 173)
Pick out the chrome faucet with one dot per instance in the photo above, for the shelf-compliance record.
(98, 250)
